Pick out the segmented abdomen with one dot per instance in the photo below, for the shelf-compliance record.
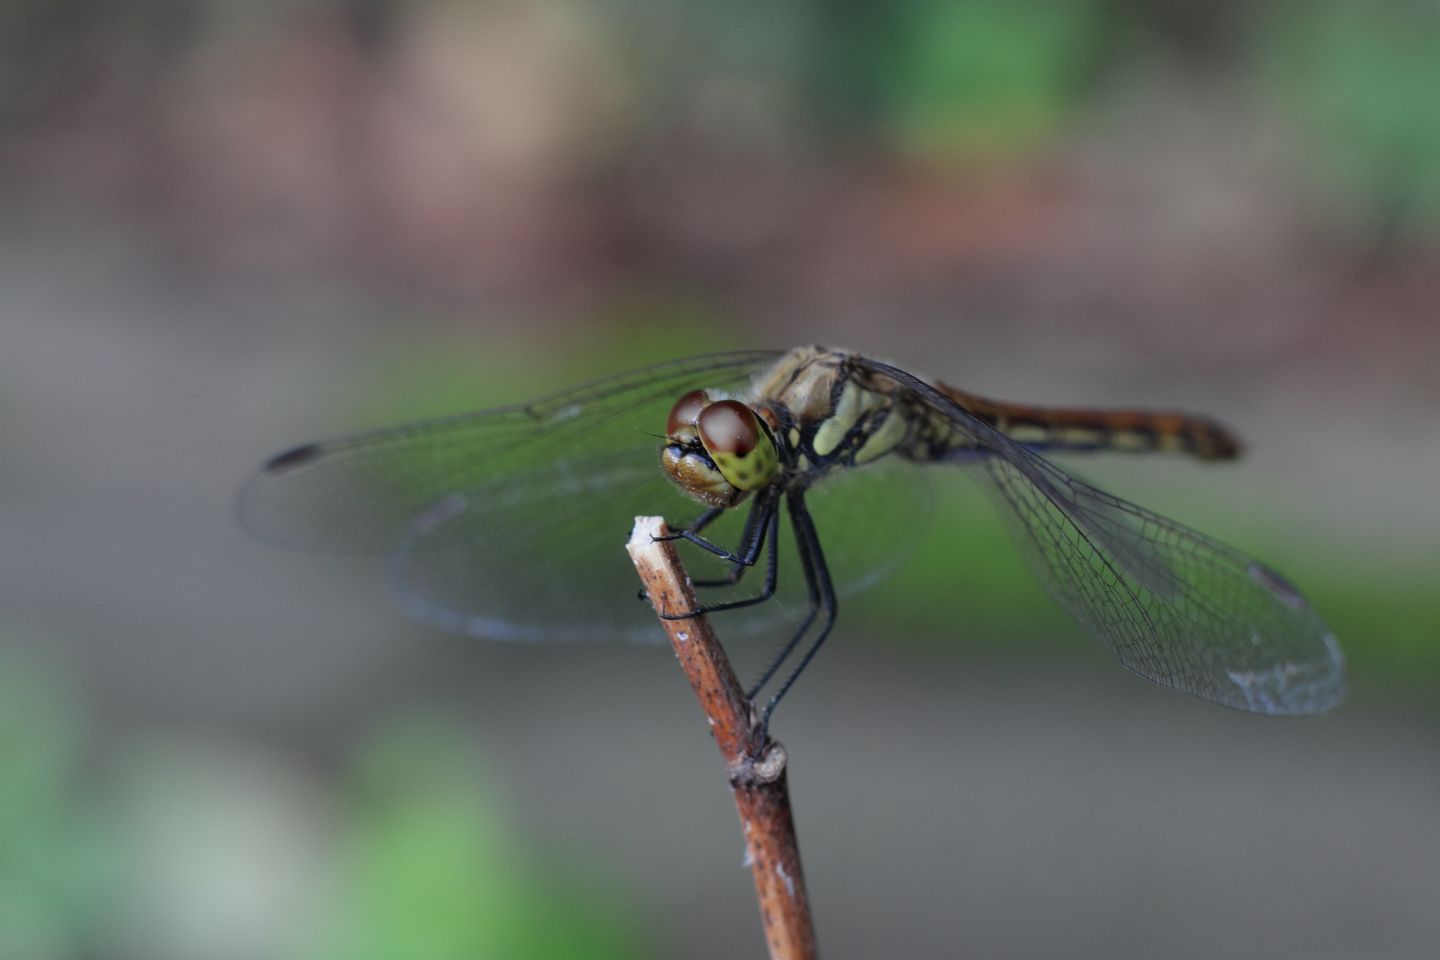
(1129, 431)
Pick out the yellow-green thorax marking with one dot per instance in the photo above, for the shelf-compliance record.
(829, 404)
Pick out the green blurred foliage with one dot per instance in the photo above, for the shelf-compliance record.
(54, 859)
(475, 370)
(985, 78)
(1363, 78)
(430, 871)
(425, 868)
(945, 81)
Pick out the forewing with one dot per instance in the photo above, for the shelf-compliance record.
(509, 523)
(1172, 604)
(361, 494)
(538, 558)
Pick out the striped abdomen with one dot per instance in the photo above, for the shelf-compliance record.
(1127, 431)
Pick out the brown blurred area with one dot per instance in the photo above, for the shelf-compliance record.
(523, 152)
(226, 228)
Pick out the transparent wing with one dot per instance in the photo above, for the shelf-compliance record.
(869, 518)
(1170, 603)
(361, 494)
(510, 524)
(540, 558)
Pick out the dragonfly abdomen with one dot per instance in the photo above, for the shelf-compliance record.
(1125, 431)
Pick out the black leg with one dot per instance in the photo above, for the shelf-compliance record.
(790, 644)
(768, 511)
(807, 564)
(765, 501)
(699, 523)
(694, 527)
(822, 598)
(772, 575)
(692, 533)
(709, 546)
(749, 545)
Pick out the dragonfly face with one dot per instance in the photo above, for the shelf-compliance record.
(505, 523)
(717, 451)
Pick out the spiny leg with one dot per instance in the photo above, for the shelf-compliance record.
(694, 527)
(764, 500)
(795, 636)
(789, 648)
(768, 510)
(811, 585)
(772, 569)
(699, 523)
(749, 544)
(822, 597)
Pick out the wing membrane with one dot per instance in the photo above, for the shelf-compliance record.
(1170, 603)
(509, 524)
(360, 494)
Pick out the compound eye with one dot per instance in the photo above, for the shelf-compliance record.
(733, 437)
(728, 427)
(686, 411)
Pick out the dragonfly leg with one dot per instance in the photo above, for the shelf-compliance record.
(768, 525)
(737, 559)
(752, 537)
(789, 648)
(711, 547)
(749, 548)
(696, 525)
(772, 574)
(822, 602)
(784, 654)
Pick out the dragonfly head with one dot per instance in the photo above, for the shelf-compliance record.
(717, 451)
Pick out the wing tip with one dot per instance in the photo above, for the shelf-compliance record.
(1296, 689)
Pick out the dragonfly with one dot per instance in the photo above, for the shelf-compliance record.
(508, 523)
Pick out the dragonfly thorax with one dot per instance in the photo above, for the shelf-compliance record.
(717, 451)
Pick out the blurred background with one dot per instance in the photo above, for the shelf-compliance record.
(228, 227)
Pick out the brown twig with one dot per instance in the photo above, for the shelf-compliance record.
(756, 769)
